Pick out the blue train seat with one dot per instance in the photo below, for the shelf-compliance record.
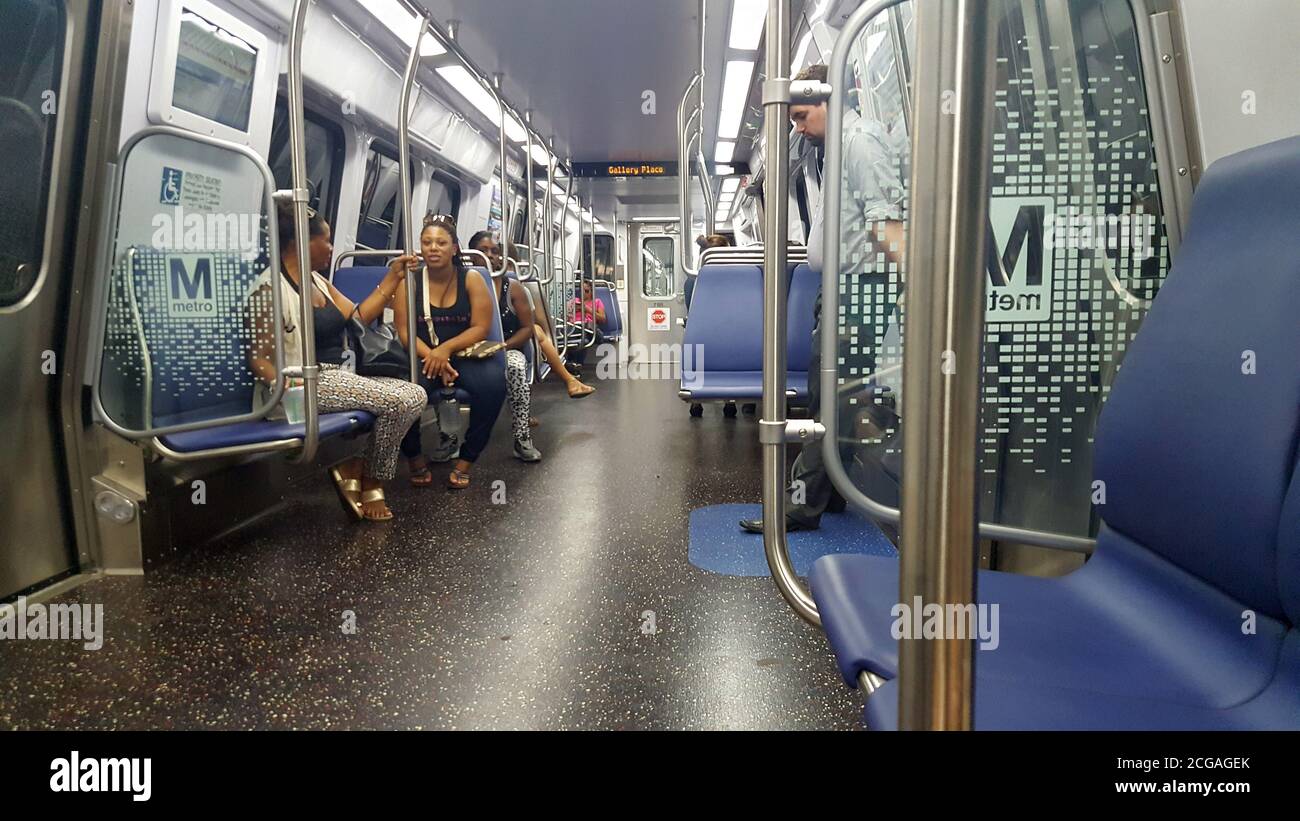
(1185, 616)
(726, 329)
(728, 323)
(197, 366)
(612, 327)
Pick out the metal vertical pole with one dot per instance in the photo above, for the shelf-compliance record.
(529, 241)
(302, 234)
(505, 181)
(941, 372)
(408, 213)
(772, 427)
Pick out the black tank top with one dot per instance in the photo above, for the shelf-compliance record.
(447, 322)
(510, 323)
(328, 324)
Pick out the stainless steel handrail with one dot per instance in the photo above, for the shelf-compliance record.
(410, 241)
(470, 252)
(507, 204)
(339, 259)
(302, 236)
(772, 434)
(945, 287)
(684, 177)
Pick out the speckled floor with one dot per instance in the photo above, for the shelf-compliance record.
(469, 615)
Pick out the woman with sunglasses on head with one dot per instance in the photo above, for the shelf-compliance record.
(395, 403)
(453, 316)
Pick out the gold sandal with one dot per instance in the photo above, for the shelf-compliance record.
(349, 493)
(375, 494)
(458, 480)
(581, 391)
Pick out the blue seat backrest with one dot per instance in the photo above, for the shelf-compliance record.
(193, 314)
(804, 286)
(727, 318)
(1197, 444)
(496, 334)
(360, 281)
(613, 324)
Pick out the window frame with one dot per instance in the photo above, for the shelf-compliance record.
(53, 139)
(329, 207)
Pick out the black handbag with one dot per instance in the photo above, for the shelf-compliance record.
(377, 351)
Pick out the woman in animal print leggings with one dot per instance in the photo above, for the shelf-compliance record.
(517, 326)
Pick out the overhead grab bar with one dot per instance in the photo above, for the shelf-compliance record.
(302, 236)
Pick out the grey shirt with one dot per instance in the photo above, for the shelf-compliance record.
(873, 190)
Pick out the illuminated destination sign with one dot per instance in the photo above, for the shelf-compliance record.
(644, 169)
(625, 169)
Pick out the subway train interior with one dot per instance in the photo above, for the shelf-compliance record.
(589, 414)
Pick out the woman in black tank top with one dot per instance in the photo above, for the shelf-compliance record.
(460, 309)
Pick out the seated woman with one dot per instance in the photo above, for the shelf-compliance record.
(486, 244)
(589, 312)
(395, 403)
(454, 313)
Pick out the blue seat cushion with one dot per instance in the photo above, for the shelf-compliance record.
(265, 430)
(1128, 622)
(1021, 705)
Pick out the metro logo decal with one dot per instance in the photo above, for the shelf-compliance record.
(190, 291)
(1019, 259)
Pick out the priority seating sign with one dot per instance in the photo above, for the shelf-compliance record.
(659, 318)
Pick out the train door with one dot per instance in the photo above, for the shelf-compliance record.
(46, 45)
(656, 295)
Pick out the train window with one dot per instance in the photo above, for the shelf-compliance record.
(214, 72)
(1077, 250)
(30, 68)
(444, 194)
(379, 196)
(604, 267)
(324, 158)
(658, 270)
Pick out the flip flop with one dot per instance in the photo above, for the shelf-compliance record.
(375, 494)
(458, 480)
(349, 493)
(581, 392)
(422, 476)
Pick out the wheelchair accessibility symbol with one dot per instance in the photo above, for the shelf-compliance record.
(172, 180)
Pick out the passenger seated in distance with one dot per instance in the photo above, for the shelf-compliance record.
(485, 243)
(453, 315)
(395, 403)
(589, 312)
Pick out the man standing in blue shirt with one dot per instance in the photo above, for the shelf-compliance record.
(871, 234)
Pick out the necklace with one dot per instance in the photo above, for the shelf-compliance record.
(446, 289)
